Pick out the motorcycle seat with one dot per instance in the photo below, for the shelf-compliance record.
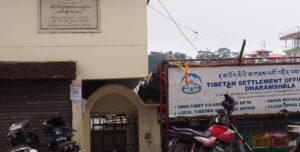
(294, 123)
(20, 148)
(61, 145)
(205, 134)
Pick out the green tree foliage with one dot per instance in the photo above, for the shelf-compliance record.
(179, 55)
(220, 53)
(223, 53)
(156, 58)
(206, 54)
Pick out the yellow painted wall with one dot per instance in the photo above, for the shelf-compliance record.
(119, 51)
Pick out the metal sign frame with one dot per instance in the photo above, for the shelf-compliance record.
(167, 64)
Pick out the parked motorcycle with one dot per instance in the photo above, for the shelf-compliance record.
(293, 129)
(215, 139)
(59, 136)
(22, 140)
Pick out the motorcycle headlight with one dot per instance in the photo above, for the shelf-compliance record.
(65, 148)
(15, 126)
(71, 146)
(45, 123)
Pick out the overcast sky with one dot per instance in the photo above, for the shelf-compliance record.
(221, 23)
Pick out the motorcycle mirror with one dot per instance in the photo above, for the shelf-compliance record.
(221, 112)
(228, 98)
(228, 86)
(26, 123)
(228, 103)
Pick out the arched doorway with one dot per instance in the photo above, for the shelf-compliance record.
(114, 132)
(113, 122)
(113, 100)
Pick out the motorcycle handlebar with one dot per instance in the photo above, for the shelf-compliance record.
(67, 128)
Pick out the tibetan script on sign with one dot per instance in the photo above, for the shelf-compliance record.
(68, 16)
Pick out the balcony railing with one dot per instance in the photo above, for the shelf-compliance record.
(291, 47)
(290, 32)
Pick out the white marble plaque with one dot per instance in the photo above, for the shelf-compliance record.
(68, 16)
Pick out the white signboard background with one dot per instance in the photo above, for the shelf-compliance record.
(257, 89)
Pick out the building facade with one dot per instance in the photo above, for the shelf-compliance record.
(79, 59)
(292, 41)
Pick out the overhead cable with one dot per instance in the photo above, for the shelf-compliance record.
(170, 16)
(197, 32)
(166, 17)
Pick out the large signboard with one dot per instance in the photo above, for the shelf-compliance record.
(68, 16)
(259, 89)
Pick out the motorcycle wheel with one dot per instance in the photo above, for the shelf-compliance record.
(298, 148)
(34, 141)
(183, 148)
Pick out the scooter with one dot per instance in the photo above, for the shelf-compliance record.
(293, 129)
(59, 136)
(217, 138)
(21, 140)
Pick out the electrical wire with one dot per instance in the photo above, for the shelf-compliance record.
(177, 25)
(197, 32)
(170, 16)
(187, 28)
(161, 14)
